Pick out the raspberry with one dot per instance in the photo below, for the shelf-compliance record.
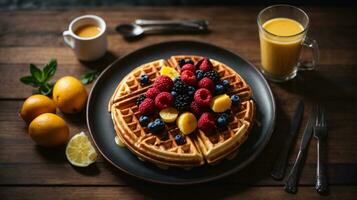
(188, 77)
(206, 83)
(189, 67)
(196, 109)
(206, 123)
(205, 65)
(203, 97)
(164, 100)
(163, 83)
(147, 107)
(152, 93)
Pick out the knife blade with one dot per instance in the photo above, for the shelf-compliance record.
(291, 182)
(280, 164)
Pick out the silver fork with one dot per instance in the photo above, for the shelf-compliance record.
(320, 133)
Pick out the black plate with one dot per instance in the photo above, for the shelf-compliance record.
(101, 127)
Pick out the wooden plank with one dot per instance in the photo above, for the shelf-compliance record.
(57, 171)
(165, 192)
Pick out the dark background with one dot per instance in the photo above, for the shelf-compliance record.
(49, 4)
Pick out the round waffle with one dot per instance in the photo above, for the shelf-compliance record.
(162, 149)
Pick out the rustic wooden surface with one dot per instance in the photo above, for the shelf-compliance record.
(31, 172)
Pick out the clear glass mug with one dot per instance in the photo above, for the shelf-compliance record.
(281, 56)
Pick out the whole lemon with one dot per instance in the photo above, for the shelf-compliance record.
(69, 95)
(35, 105)
(49, 130)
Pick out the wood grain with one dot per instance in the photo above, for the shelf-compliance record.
(28, 171)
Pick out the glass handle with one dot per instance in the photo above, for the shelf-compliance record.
(309, 64)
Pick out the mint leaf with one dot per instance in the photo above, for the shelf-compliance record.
(30, 80)
(89, 77)
(50, 69)
(36, 73)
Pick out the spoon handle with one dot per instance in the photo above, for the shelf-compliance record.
(193, 23)
(171, 29)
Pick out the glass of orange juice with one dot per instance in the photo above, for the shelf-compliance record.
(282, 34)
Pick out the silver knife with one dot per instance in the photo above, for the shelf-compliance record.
(280, 163)
(292, 180)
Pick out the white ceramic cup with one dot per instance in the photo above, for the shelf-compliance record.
(87, 48)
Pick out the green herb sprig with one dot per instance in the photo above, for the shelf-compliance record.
(39, 78)
(89, 76)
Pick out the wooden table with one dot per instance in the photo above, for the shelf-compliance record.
(31, 172)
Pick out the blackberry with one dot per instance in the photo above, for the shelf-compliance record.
(213, 75)
(182, 62)
(140, 99)
(180, 87)
(182, 102)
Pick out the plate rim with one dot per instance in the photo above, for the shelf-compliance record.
(203, 180)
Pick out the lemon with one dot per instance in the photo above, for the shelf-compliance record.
(187, 123)
(35, 105)
(169, 71)
(70, 95)
(49, 130)
(168, 115)
(79, 151)
(221, 103)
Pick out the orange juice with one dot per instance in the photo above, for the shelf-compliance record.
(87, 31)
(280, 47)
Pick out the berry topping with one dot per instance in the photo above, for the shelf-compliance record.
(144, 120)
(219, 89)
(140, 99)
(169, 71)
(203, 97)
(206, 123)
(187, 123)
(173, 93)
(196, 109)
(163, 83)
(182, 62)
(221, 103)
(235, 99)
(225, 83)
(206, 83)
(213, 75)
(206, 65)
(168, 115)
(164, 100)
(152, 92)
(147, 107)
(180, 140)
(199, 74)
(179, 86)
(222, 120)
(182, 102)
(144, 79)
(189, 67)
(156, 125)
(188, 77)
(191, 90)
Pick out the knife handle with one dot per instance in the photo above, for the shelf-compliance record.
(292, 181)
(280, 164)
(321, 175)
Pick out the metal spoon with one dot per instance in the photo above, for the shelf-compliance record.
(191, 23)
(133, 30)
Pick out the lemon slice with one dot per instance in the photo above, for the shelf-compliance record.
(169, 71)
(79, 151)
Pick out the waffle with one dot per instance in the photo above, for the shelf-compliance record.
(162, 149)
